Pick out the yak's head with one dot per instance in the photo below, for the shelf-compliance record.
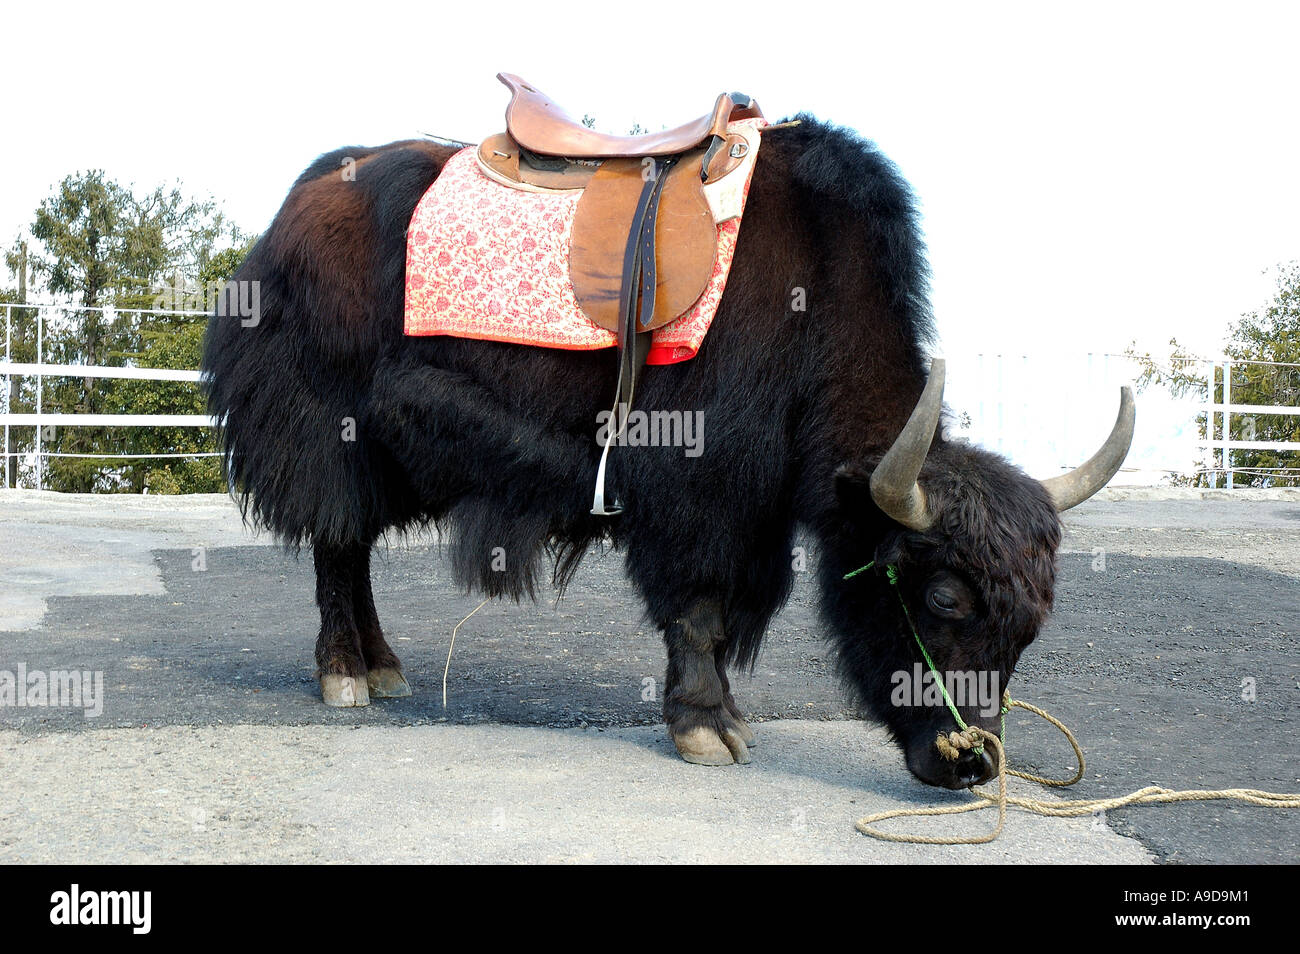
(971, 541)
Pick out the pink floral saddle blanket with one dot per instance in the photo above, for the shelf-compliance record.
(488, 261)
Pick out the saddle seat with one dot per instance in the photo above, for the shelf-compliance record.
(545, 150)
(539, 125)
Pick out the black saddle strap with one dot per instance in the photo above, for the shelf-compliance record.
(636, 311)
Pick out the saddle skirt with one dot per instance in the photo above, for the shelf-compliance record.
(489, 258)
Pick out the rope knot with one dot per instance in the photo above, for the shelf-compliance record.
(952, 745)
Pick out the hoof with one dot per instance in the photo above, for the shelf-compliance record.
(746, 734)
(703, 745)
(387, 683)
(344, 691)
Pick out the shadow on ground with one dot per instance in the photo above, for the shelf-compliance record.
(1147, 658)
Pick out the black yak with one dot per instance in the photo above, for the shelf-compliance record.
(337, 428)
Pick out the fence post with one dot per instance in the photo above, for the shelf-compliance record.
(40, 388)
(1211, 474)
(1227, 422)
(8, 382)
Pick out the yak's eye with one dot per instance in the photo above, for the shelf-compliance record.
(945, 602)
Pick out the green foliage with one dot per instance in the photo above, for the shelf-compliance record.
(222, 266)
(100, 244)
(81, 231)
(100, 241)
(1183, 374)
(1273, 332)
(1265, 347)
(22, 348)
(167, 344)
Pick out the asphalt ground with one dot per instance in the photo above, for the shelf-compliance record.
(1171, 653)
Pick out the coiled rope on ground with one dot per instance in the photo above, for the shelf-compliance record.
(971, 737)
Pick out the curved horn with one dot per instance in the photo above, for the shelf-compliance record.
(1070, 490)
(893, 482)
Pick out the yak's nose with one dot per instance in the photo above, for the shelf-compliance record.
(975, 768)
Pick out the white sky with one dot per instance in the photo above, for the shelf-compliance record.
(1090, 173)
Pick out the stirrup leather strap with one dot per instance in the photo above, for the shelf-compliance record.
(637, 303)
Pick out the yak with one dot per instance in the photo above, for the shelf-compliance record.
(821, 419)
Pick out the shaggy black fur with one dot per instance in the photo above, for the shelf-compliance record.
(496, 442)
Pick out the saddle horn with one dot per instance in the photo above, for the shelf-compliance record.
(893, 483)
(1070, 490)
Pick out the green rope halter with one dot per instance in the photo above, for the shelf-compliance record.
(891, 571)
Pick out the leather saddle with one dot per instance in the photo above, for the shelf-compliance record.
(545, 149)
(644, 233)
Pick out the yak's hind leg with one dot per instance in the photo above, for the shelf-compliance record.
(703, 719)
(384, 676)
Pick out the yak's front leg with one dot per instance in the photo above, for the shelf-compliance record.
(340, 663)
(702, 716)
(384, 676)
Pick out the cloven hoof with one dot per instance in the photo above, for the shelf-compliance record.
(344, 691)
(703, 745)
(388, 683)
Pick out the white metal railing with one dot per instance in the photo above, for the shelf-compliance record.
(40, 370)
(1218, 416)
